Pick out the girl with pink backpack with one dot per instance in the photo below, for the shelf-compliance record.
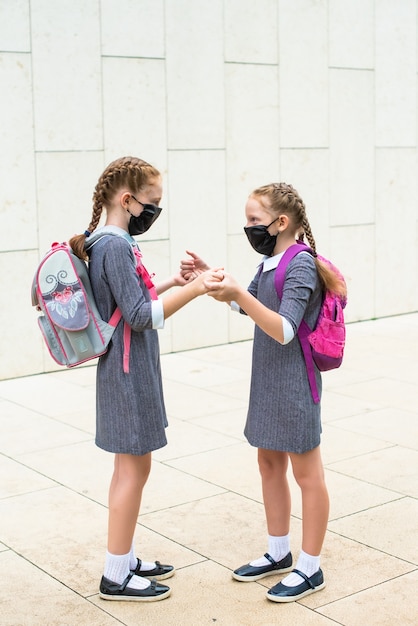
(284, 419)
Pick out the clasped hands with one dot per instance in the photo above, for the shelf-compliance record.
(216, 282)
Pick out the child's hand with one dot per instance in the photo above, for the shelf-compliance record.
(212, 276)
(224, 290)
(191, 268)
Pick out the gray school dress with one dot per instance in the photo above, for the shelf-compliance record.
(281, 414)
(130, 411)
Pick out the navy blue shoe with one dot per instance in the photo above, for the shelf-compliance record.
(283, 593)
(248, 573)
(160, 571)
(113, 591)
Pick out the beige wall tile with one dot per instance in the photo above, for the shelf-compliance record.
(131, 109)
(351, 40)
(221, 97)
(17, 171)
(14, 26)
(303, 74)
(396, 71)
(197, 222)
(242, 264)
(351, 148)
(66, 181)
(195, 74)
(357, 269)
(396, 263)
(157, 261)
(308, 172)
(21, 347)
(251, 31)
(132, 29)
(252, 134)
(66, 75)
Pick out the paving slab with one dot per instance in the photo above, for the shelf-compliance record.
(202, 506)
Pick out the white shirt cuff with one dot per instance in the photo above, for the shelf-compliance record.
(288, 332)
(157, 312)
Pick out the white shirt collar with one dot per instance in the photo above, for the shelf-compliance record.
(271, 262)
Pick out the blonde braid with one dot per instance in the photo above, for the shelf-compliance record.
(283, 198)
(129, 172)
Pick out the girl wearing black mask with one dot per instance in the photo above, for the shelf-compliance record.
(283, 421)
(131, 417)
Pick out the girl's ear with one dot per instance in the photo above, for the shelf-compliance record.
(124, 199)
(283, 222)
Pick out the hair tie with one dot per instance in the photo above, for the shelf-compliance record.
(87, 233)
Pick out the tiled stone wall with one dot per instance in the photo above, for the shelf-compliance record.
(222, 96)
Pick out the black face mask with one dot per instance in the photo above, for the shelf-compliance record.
(260, 238)
(139, 225)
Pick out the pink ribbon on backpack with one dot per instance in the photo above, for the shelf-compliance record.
(147, 278)
(143, 273)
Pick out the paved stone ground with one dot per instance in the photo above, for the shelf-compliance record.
(202, 508)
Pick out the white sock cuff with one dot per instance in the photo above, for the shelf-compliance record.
(308, 564)
(278, 547)
(132, 558)
(116, 567)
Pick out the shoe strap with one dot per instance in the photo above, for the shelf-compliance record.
(304, 576)
(138, 567)
(122, 587)
(270, 558)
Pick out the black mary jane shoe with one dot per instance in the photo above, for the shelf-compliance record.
(160, 571)
(113, 591)
(283, 593)
(248, 573)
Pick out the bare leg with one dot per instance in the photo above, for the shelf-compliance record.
(129, 477)
(309, 474)
(276, 493)
(276, 496)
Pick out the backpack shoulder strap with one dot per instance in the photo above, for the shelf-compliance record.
(284, 262)
(303, 330)
(117, 313)
(141, 271)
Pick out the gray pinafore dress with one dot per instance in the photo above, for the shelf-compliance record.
(281, 414)
(130, 411)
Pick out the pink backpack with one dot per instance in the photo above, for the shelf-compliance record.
(324, 344)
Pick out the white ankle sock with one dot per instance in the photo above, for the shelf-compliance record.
(133, 562)
(278, 548)
(137, 582)
(307, 564)
(117, 569)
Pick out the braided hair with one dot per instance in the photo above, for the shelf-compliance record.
(283, 198)
(129, 172)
